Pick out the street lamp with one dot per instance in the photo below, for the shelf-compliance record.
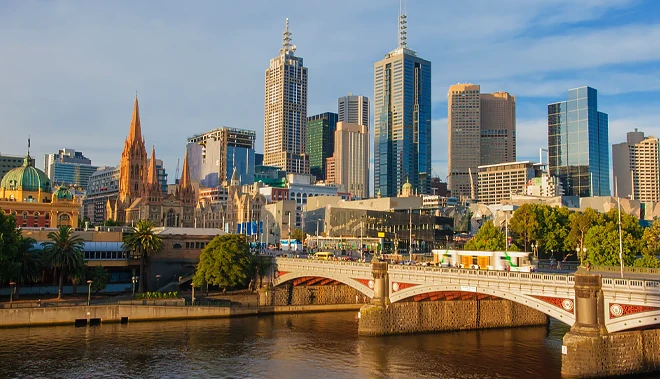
(535, 249)
(192, 298)
(89, 292)
(157, 282)
(11, 293)
(134, 279)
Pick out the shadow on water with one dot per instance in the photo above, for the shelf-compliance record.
(322, 345)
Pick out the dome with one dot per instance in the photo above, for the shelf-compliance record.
(26, 178)
(406, 186)
(62, 193)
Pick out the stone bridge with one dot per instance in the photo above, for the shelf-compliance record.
(626, 303)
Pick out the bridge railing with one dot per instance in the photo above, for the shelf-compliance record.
(633, 284)
(324, 262)
(631, 270)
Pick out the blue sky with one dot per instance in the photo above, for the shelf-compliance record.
(69, 69)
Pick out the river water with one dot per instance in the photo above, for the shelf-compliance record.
(322, 345)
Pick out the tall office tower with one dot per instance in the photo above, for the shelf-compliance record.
(213, 155)
(402, 119)
(320, 142)
(69, 168)
(636, 167)
(285, 110)
(464, 124)
(354, 109)
(352, 158)
(498, 128)
(578, 150)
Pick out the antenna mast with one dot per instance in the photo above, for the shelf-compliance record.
(176, 173)
(403, 24)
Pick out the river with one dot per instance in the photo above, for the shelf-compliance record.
(322, 345)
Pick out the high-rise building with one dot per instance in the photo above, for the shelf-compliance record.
(102, 188)
(636, 167)
(285, 110)
(354, 109)
(320, 141)
(402, 119)
(330, 170)
(213, 155)
(464, 124)
(578, 150)
(498, 182)
(352, 158)
(9, 162)
(498, 128)
(69, 168)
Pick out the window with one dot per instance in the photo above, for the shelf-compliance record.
(176, 246)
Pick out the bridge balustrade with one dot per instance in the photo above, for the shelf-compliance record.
(632, 284)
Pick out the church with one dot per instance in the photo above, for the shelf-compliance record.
(140, 195)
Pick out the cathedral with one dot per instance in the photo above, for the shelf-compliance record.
(140, 195)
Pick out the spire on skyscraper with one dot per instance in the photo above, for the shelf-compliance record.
(287, 47)
(403, 24)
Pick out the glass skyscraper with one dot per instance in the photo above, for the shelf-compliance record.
(402, 120)
(578, 149)
(320, 141)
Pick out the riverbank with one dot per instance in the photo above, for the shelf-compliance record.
(95, 314)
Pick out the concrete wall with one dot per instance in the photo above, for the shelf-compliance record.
(115, 313)
(320, 295)
(434, 316)
(624, 353)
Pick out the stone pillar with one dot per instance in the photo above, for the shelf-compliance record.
(381, 284)
(589, 305)
(373, 317)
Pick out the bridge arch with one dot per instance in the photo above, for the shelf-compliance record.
(549, 309)
(358, 285)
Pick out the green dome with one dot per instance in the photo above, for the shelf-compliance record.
(407, 185)
(26, 178)
(62, 193)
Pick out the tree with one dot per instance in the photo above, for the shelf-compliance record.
(144, 241)
(225, 262)
(651, 238)
(580, 223)
(76, 276)
(28, 263)
(647, 260)
(64, 251)
(261, 266)
(488, 238)
(298, 234)
(602, 243)
(99, 277)
(553, 229)
(524, 224)
(9, 245)
(110, 222)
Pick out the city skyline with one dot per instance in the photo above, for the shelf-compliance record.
(174, 59)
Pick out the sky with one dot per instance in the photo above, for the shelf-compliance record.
(69, 70)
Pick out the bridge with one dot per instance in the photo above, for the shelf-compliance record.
(626, 304)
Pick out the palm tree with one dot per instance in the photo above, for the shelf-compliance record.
(64, 252)
(144, 242)
(29, 263)
(261, 265)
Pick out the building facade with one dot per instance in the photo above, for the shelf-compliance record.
(464, 139)
(578, 149)
(402, 119)
(354, 109)
(103, 187)
(213, 155)
(351, 158)
(636, 167)
(498, 128)
(320, 142)
(69, 168)
(285, 110)
(10, 162)
(499, 181)
(544, 186)
(330, 170)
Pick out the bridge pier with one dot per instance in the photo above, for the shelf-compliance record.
(588, 350)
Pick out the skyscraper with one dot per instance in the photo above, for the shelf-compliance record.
(636, 167)
(464, 124)
(578, 150)
(351, 158)
(354, 109)
(498, 128)
(402, 119)
(69, 168)
(320, 142)
(285, 110)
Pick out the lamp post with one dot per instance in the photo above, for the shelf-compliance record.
(192, 298)
(134, 279)
(157, 282)
(535, 249)
(11, 293)
(89, 292)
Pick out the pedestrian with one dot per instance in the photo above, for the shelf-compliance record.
(588, 266)
(558, 265)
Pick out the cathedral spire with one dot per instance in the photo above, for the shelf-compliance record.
(185, 172)
(135, 134)
(152, 175)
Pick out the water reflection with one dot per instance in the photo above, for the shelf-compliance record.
(286, 346)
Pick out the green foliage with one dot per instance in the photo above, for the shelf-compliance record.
(488, 238)
(28, 261)
(298, 234)
(553, 228)
(156, 295)
(580, 223)
(525, 225)
(110, 222)
(261, 266)
(144, 241)
(602, 243)
(63, 251)
(651, 239)
(225, 262)
(648, 260)
(99, 277)
(10, 241)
